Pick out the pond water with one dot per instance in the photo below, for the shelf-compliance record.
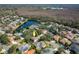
(27, 24)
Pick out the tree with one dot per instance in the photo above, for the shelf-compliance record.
(4, 39)
(13, 49)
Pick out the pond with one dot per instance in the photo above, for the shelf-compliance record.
(27, 24)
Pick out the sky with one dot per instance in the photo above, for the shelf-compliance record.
(69, 6)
